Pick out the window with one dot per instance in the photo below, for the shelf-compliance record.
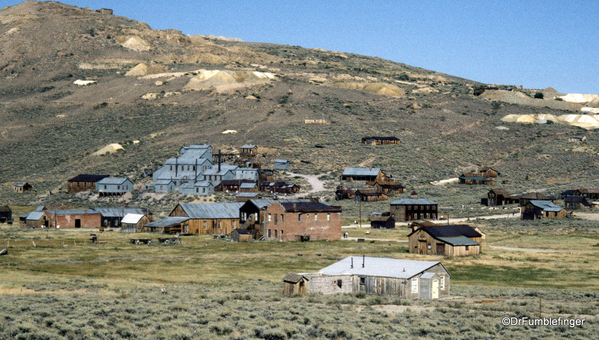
(197, 189)
(194, 168)
(282, 220)
(171, 168)
(281, 234)
(269, 217)
(339, 283)
(185, 229)
(268, 233)
(315, 217)
(276, 233)
(203, 190)
(275, 219)
(234, 224)
(442, 283)
(299, 217)
(467, 248)
(415, 285)
(118, 187)
(105, 186)
(428, 246)
(328, 216)
(205, 225)
(362, 280)
(219, 224)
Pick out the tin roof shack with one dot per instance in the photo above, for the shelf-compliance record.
(111, 217)
(445, 240)
(294, 284)
(537, 209)
(373, 275)
(248, 187)
(37, 219)
(497, 197)
(281, 164)
(113, 186)
(208, 218)
(5, 214)
(74, 218)
(291, 221)
(411, 209)
(23, 186)
(246, 196)
(241, 235)
(134, 223)
(370, 195)
(524, 199)
(384, 220)
(167, 225)
(84, 183)
(389, 189)
(380, 140)
(577, 202)
(342, 193)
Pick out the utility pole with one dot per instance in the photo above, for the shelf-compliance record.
(360, 219)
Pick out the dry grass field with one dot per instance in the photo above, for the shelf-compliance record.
(67, 287)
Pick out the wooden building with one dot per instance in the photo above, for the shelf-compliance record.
(384, 220)
(23, 186)
(37, 219)
(389, 189)
(167, 225)
(5, 214)
(489, 172)
(537, 209)
(369, 195)
(342, 193)
(377, 276)
(281, 164)
(577, 203)
(368, 175)
(241, 235)
(112, 217)
(445, 240)
(113, 186)
(84, 182)
(134, 223)
(246, 196)
(294, 284)
(410, 209)
(498, 197)
(471, 180)
(591, 193)
(248, 187)
(231, 185)
(535, 196)
(208, 218)
(249, 151)
(380, 140)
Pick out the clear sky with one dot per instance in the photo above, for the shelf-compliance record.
(531, 43)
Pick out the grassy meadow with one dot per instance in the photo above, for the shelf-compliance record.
(205, 288)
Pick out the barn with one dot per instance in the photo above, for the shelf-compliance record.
(377, 276)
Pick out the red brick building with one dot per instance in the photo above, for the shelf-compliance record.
(74, 218)
(302, 221)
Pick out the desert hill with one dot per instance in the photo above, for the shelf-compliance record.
(165, 89)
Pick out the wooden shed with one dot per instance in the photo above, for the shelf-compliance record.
(134, 223)
(382, 221)
(497, 197)
(537, 209)
(370, 195)
(445, 240)
(294, 284)
(5, 214)
(23, 186)
(37, 219)
(241, 235)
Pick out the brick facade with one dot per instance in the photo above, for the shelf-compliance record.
(284, 224)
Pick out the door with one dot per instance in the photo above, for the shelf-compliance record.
(440, 249)
(422, 247)
(435, 289)
(77, 223)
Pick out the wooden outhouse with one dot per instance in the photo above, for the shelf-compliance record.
(294, 284)
(241, 235)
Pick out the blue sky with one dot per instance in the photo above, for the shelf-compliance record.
(529, 43)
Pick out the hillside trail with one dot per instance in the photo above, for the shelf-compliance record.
(315, 182)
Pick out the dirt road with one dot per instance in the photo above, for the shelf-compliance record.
(317, 184)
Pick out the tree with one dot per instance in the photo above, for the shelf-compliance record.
(539, 95)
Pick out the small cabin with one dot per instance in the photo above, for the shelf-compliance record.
(294, 284)
(23, 186)
(241, 235)
(445, 240)
(249, 151)
(380, 140)
(281, 164)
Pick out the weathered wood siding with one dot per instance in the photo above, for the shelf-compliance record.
(422, 243)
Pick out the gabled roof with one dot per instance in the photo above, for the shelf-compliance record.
(163, 182)
(248, 194)
(248, 185)
(501, 192)
(438, 231)
(578, 199)
(73, 212)
(113, 180)
(20, 184)
(242, 231)
(5, 209)
(412, 201)
(459, 241)
(284, 161)
(211, 210)
(294, 278)
(87, 178)
(118, 212)
(377, 266)
(546, 205)
(535, 196)
(35, 215)
(361, 171)
(132, 218)
(379, 138)
(589, 191)
(248, 146)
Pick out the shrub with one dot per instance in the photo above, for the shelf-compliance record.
(539, 95)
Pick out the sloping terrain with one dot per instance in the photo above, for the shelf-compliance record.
(51, 127)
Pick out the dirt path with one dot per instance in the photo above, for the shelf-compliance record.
(528, 249)
(317, 184)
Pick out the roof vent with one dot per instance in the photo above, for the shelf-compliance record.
(363, 260)
(352, 262)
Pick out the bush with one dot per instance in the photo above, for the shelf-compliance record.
(539, 95)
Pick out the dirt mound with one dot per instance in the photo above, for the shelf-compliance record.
(136, 44)
(588, 122)
(375, 88)
(110, 148)
(223, 79)
(519, 98)
(144, 69)
(580, 98)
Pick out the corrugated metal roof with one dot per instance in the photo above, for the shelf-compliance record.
(113, 180)
(35, 215)
(427, 275)
(247, 194)
(546, 205)
(166, 222)
(283, 161)
(412, 201)
(459, 241)
(73, 212)
(118, 212)
(377, 266)
(361, 172)
(132, 218)
(87, 178)
(162, 182)
(248, 146)
(247, 185)
(212, 210)
(438, 231)
(309, 207)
